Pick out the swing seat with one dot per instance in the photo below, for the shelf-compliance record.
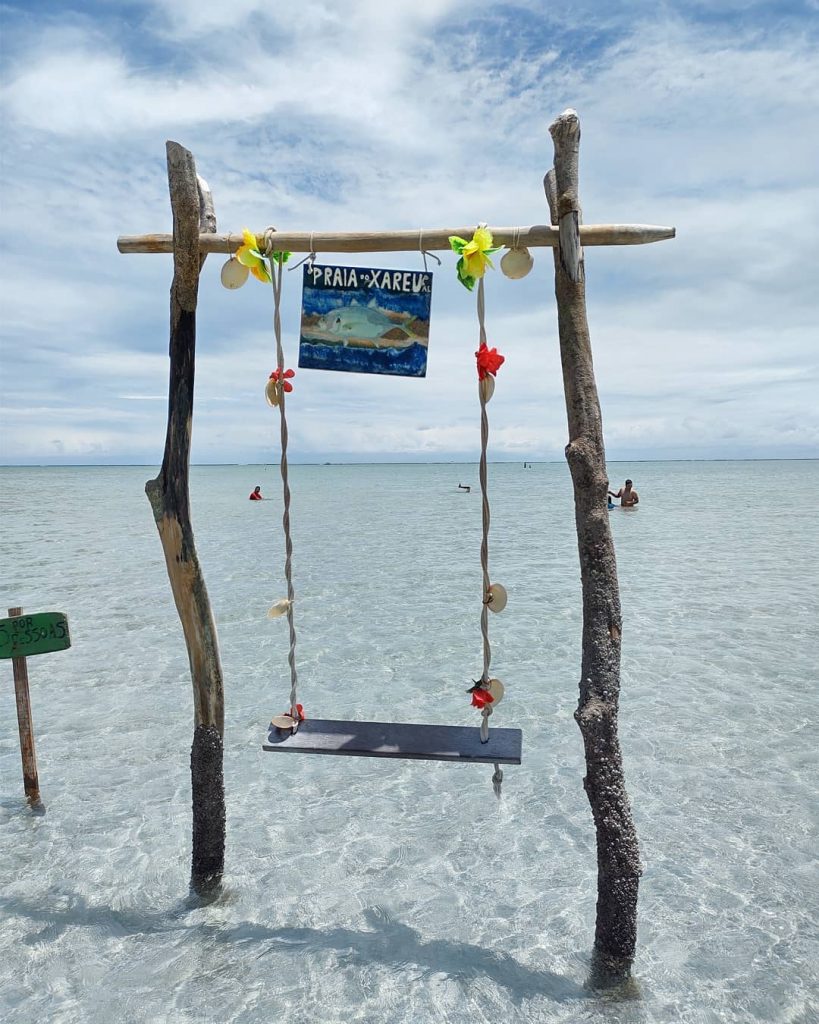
(459, 743)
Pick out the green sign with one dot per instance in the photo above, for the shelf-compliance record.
(25, 635)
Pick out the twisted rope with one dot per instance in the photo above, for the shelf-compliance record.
(497, 777)
(487, 649)
(276, 277)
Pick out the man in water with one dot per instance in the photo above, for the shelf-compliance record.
(627, 495)
(256, 494)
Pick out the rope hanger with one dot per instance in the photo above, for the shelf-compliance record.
(276, 280)
(486, 711)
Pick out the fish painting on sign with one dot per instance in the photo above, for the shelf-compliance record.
(365, 321)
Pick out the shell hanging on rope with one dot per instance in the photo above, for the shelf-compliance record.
(496, 691)
(283, 721)
(486, 387)
(280, 608)
(497, 597)
(272, 392)
(234, 274)
(517, 263)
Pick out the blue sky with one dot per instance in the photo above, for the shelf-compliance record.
(430, 113)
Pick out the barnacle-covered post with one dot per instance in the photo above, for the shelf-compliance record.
(618, 859)
(169, 497)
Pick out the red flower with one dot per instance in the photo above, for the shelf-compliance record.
(284, 377)
(480, 698)
(489, 361)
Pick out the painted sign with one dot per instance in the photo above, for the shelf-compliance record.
(364, 320)
(24, 635)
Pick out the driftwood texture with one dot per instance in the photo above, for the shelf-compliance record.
(25, 726)
(169, 497)
(405, 241)
(618, 859)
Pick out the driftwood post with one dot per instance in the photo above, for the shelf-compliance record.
(168, 494)
(618, 859)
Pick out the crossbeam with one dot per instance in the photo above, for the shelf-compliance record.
(429, 239)
(398, 740)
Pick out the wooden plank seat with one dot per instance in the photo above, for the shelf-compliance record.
(395, 739)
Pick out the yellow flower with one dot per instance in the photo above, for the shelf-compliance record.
(249, 256)
(476, 253)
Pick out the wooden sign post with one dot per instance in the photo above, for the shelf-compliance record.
(22, 636)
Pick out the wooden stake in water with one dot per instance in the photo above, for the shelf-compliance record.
(22, 636)
(31, 781)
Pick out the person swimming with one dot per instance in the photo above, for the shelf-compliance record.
(256, 494)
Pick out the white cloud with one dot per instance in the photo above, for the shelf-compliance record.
(311, 115)
(184, 20)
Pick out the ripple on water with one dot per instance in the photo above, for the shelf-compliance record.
(367, 891)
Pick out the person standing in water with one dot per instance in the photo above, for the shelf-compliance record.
(627, 495)
(256, 494)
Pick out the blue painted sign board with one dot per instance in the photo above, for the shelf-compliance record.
(365, 320)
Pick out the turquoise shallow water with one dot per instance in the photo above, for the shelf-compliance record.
(361, 890)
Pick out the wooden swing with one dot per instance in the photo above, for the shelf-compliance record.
(460, 743)
(194, 237)
(295, 734)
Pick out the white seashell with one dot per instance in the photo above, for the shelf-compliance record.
(496, 691)
(282, 722)
(517, 263)
(234, 274)
(272, 392)
(486, 387)
(497, 597)
(279, 608)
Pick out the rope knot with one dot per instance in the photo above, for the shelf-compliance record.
(268, 241)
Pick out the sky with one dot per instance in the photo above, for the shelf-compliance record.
(317, 115)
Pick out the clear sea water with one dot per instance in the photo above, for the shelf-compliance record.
(388, 891)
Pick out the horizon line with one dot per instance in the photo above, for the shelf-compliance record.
(404, 462)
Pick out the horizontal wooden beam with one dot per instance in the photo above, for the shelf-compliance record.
(539, 235)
